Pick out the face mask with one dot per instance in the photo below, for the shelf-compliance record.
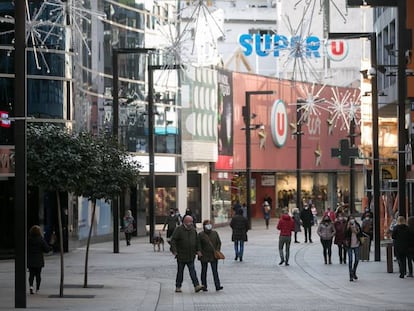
(341, 218)
(367, 218)
(188, 226)
(352, 221)
(208, 227)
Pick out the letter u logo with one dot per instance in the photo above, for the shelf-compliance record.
(337, 48)
(281, 126)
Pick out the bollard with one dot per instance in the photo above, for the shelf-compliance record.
(389, 258)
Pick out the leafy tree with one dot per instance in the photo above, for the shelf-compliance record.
(55, 162)
(110, 172)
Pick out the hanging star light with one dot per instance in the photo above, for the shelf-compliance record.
(323, 6)
(312, 104)
(345, 108)
(195, 40)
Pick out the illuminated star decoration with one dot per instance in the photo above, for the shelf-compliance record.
(196, 42)
(345, 108)
(312, 103)
(322, 3)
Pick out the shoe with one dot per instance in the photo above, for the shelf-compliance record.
(178, 290)
(286, 263)
(330, 261)
(410, 275)
(310, 241)
(219, 288)
(31, 290)
(340, 261)
(351, 279)
(401, 276)
(281, 262)
(306, 241)
(355, 277)
(205, 289)
(297, 242)
(197, 288)
(241, 258)
(237, 257)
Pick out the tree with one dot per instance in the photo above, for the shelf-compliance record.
(111, 171)
(55, 162)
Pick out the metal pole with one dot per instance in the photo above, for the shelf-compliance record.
(299, 155)
(375, 150)
(115, 124)
(248, 158)
(20, 186)
(401, 106)
(352, 168)
(151, 193)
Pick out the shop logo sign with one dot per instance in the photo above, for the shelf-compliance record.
(279, 123)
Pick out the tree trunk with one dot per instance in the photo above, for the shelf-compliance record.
(85, 279)
(59, 212)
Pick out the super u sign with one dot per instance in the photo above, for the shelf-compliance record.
(310, 47)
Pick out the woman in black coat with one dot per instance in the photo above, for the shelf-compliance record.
(401, 237)
(240, 226)
(36, 246)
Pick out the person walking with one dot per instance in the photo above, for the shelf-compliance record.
(296, 219)
(307, 223)
(171, 222)
(36, 246)
(266, 212)
(185, 246)
(326, 231)
(401, 237)
(367, 227)
(410, 258)
(239, 226)
(340, 226)
(286, 225)
(209, 243)
(353, 235)
(128, 226)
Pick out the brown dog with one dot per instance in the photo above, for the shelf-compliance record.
(158, 242)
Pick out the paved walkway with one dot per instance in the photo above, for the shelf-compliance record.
(140, 279)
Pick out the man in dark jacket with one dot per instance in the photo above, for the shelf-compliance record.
(185, 245)
(307, 222)
(240, 226)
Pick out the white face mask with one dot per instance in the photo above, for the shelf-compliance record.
(208, 226)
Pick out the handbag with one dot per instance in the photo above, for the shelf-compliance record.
(217, 254)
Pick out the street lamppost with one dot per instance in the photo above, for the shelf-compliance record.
(247, 118)
(20, 193)
(299, 134)
(375, 148)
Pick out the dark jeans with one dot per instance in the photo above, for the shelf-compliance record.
(239, 248)
(402, 263)
(327, 249)
(308, 233)
(180, 273)
(342, 253)
(204, 266)
(35, 273)
(128, 238)
(353, 259)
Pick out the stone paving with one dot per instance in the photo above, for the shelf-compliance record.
(140, 279)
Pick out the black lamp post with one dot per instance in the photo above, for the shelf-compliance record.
(20, 183)
(375, 148)
(299, 134)
(247, 118)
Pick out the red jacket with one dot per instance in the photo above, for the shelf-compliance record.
(286, 225)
